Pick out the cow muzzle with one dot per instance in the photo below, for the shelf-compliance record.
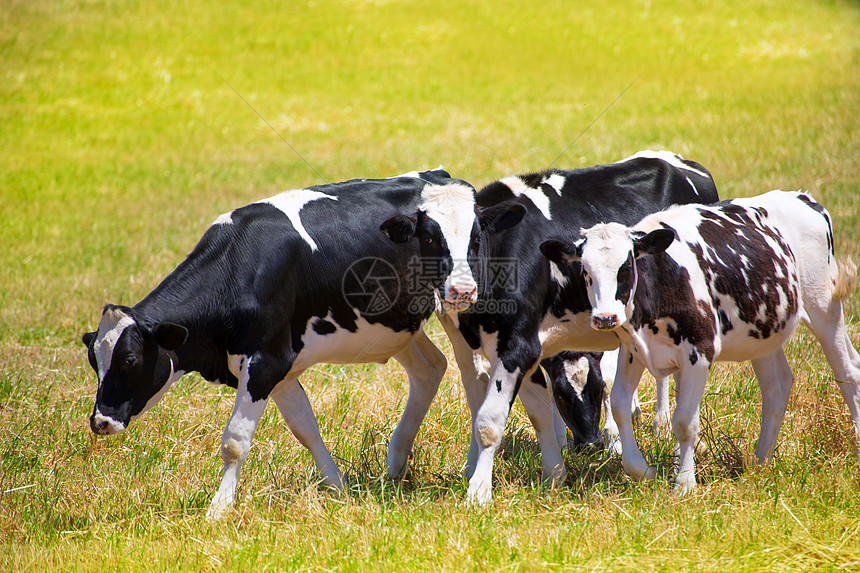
(589, 448)
(604, 321)
(103, 425)
(461, 296)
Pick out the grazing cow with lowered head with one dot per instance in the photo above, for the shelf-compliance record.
(527, 309)
(304, 277)
(694, 285)
(581, 380)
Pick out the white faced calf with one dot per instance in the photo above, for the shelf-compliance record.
(694, 285)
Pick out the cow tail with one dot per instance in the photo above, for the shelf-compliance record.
(846, 279)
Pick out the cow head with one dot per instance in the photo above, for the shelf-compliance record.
(607, 253)
(448, 227)
(578, 389)
(134, 365)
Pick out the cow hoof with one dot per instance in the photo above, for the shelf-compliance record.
(650, 473)
(555, 478)
(479, 494)
(683, 487)
(216, 513)
(613, 447)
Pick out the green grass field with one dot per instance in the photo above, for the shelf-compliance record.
(122, 137)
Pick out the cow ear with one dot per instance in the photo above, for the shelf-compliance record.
(399, 228)
(170, 336)
(500, 217)
(87, 338)
(653, 243)
(561, 251)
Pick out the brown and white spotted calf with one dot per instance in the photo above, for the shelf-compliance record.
(694, 285)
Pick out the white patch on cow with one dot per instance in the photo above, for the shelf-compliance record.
(235, 363)
(695, 191)
(672, 159)
(225, 219)
(114, 322)
(369, 343)
(576, 373)
(518, 187)
(556, 181)
(558, 276)
(452, 206)
(412, 174)
(291, 202)
(415, 174)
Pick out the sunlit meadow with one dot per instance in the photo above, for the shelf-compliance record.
(126, 127)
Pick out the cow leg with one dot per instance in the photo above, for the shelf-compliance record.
(543, 415)
(425, 366)
(662, 415)
(689, 390)
(558, 425)
(621, 398)
(828, 325)
(775, 381)
(474, 377)
(611, 437)
(489, 425)
(608, 368)
(292, 402)
(236, 442)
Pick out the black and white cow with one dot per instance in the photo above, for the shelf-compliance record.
(694, 285)
(528, 309)
(304, 277)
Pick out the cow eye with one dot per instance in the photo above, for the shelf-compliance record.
(130, 360)
(428, 240)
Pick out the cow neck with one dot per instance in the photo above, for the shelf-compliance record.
(182, 301)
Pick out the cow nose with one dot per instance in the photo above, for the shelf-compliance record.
(463, 293)
(605, 321)
(590, 448)
(99, 426)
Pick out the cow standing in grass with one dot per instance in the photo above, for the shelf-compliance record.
(304, 277)
(694, 285)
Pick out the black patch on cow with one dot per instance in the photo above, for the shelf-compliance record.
(538, 378)
(625, 280)
(519, 383)
(498, 385)
(694, 357)
(725, 322)
(322, 326)
(817, 207)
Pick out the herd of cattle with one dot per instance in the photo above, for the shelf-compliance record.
(531, 277)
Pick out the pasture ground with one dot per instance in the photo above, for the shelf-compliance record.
(122, 139)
